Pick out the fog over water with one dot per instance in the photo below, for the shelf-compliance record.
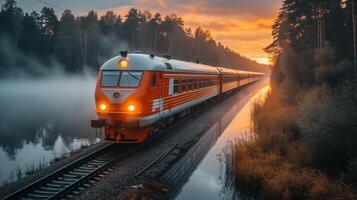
(42, 118)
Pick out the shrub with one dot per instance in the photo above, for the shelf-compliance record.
(351, 175)
(276, 178)
(292, 142)
(329, 128)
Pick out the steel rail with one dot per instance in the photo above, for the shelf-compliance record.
(57, 173)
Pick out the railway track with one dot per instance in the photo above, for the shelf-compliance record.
(71, 179)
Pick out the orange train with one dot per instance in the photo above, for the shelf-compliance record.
(138, 94)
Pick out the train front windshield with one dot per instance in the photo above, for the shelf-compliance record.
(121, 78)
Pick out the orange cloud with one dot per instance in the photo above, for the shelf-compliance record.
(243, 25)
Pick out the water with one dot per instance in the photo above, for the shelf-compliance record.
(208, 181)
(41, 119)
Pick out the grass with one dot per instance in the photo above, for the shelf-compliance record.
(35, 167)
(278, 162)
(275, 177)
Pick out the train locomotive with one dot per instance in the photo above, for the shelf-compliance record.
(137, 94)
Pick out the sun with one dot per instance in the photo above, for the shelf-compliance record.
(263, 60)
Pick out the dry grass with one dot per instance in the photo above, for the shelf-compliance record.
(80, 149)
(277, 178)
(275, 163)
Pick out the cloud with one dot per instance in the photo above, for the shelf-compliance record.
(244, 9)
(264, 26)
(236, 23)
(243, 36)
(78, 7)
(243, 25)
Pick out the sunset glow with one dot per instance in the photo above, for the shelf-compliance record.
(243, 28)
(262, 60)
(242, 25)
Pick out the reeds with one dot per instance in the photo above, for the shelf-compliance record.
(273, 161)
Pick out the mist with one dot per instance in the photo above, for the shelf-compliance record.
(45, 110)
(34, 95)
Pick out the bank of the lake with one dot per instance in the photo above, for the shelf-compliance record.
(210, 179)
(43, 120)
(280, 163)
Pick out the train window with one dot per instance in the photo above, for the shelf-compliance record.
(183, 86)
(200, 85)
(176, 86)
(153, 80)
(110, 78)
(130, 78)
(189, 84)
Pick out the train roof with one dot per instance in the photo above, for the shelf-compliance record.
(144, 62)
(223, 70)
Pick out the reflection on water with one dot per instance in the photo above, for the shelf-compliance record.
(211, 180)
(41, 119)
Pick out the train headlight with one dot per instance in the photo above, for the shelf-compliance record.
(131, 108)
(123, 63)
(102, 107)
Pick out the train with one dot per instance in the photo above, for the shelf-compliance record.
(137, 95)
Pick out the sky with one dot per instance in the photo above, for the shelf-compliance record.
(242, 25)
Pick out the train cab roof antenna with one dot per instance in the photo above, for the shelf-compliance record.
(124, 54)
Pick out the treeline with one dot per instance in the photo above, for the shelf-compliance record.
(316, 76)
(313, 43)
(78, 41)
(306, 128)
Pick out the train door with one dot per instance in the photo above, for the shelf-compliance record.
(162, 93)
(238, 80)
(219, 83)
(156, 92)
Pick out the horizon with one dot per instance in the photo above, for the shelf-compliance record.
(247, 33)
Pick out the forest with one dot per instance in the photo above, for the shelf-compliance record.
(78, 42)
(306, 127)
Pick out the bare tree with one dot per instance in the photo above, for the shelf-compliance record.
(354, 35)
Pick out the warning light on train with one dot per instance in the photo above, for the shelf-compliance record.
(123, 63)
(103, 107)
(131, 108)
